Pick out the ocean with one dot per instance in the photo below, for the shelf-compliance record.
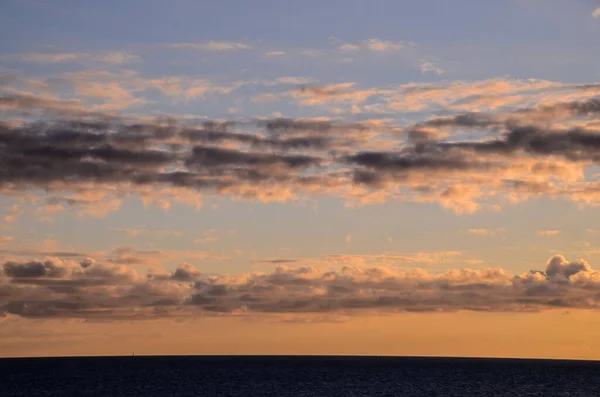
(298, 376)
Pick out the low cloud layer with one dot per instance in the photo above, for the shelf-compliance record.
(54, 287)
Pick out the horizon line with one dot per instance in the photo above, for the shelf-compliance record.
(391, 356)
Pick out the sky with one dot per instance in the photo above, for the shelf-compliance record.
(318, 177)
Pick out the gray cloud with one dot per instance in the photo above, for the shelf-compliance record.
(214, 157)
(278, 159)
(34, 269)
(56, 288)
(185, 272)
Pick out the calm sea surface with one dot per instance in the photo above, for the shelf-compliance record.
(296, 376)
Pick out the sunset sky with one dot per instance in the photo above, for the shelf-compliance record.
(300, 177)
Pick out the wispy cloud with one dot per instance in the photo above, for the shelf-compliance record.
(546, 233)
(117, 57)
(206, 240)
(483, 95)
(212, 46)
(276, 261)
(129, 232)
(313, 95)
(596, 13)
(275, 53)
(373, 45)
(486, 232)
(466, 96)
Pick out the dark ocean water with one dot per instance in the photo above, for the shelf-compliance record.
(296, 376)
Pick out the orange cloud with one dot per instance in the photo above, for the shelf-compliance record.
(486, 232)
(547, 233)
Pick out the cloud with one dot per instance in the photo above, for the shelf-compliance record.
(428, 67)
(116, 57)
(276, 261)
(212, 46)
(275, 53)
(485, 95)
(185, 272)
(560, 267)
(294, 80)
(129, 232)
(24, 102)
(390, 258)
(486, 232)
(546, 233)
(364, 260)
(313, 95)
(206, 240)
(103, 92)
(472, 96)
(462, 161)
(373, 45)
(596, 13)
(120, 255)
(93, 290)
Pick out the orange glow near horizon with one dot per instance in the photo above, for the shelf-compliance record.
(555, 334)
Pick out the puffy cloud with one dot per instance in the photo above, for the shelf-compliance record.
(185, 272)
(34, 269)
(596, 13)
(91, 289)
(428, 67)
(559, 266)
